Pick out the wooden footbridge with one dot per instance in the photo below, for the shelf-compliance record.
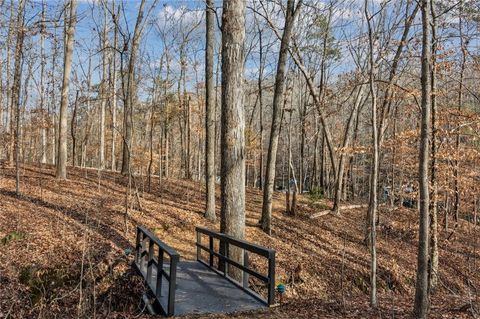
(203, 286)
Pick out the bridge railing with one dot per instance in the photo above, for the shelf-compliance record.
(225, 242)
(149, 255)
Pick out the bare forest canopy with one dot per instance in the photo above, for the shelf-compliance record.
(370, 105)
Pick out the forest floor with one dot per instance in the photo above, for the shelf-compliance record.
(64, 247)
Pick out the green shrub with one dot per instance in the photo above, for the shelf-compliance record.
(43, 281)
(315, 194)
(12, 236)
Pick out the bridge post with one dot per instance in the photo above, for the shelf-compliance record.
(142, 252)
(172, 285)
(271, 278)
(199, 241)
(150, 260)
(138, 246)
(245, 274)
(221, 262)
(227, 255)
(158, 289)
(211, 250)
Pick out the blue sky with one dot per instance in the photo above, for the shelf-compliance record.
(348, 22)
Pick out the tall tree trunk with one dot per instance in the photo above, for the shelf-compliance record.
(314, 176)
(166, 125)
(43, 129)
(151, 133)
(188, 169)
(433, 271)
(130, 94)
(322, 165)
(73, 129)
(233, 125)
(8, 114)
(372, 205)
(17, 76)
(210, 114)
(103, 88)
(260, 105)
(456, 204)
(114, 87)
(86, 138)
(353, 161)
(303, 120)
(421, 288)
(21, 121)
(394, 157)
(61, 171)
(52, 129)
(346, 142)
(276, 117)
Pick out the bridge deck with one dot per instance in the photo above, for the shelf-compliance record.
(200, 290)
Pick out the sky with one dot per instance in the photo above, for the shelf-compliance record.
(173, 17)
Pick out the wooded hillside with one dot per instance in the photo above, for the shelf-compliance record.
(63, 231)
(344, 134)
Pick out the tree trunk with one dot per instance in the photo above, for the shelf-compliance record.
(346, 142)
(394, 155)
(61, 171)
(314, 176)
(103, 89)
(8, 115)
(233, 125)
(52, 130)
(73, 129)
(276, 114)
(21, 121)
(372, 205)
(166, 128)
(43, 129)
(16, 89)
(130, 94)
(260, 105)
(114, 88)
(303, 120)
(421, 288)
(463, 49)
(152, 128)
(433, 272)
(210, 114)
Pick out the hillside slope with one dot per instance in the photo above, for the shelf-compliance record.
(64, 243)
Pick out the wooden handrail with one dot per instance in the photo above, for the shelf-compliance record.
(169, 250)
(141, 252)
(259, 250)
(226, 240)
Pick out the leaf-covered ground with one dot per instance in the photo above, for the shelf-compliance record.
(63, 244)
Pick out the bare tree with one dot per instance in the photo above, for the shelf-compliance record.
(210, 113)
(113, 80)
(17, 76)
(103, 85)
(42, 85)
(61, 171)
(421, 287)
(291, 12)
(372, 205)
(433, 271)
(130, 88)
(8, 73)
(461, 87)
(233, 125)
